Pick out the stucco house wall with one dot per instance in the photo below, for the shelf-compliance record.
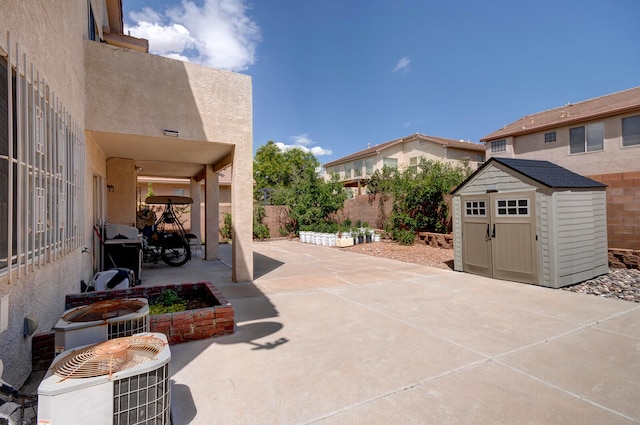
(614, 156)
(57, 53)
(113, 93)
(205, 105)
(615, 165)
(403, 150)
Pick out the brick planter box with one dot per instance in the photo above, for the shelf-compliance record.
(188, 325)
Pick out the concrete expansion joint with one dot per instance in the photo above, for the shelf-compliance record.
(565, 391)
(400, 390)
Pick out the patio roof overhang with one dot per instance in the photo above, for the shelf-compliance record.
(166, 156)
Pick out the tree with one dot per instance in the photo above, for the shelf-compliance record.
(291, 177)
(418, 195)
(274, 168)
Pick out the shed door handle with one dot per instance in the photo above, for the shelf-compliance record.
(493, 235)
(488, 228)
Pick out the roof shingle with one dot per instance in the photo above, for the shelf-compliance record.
(611, 104)
(544, 172)
(377, 148)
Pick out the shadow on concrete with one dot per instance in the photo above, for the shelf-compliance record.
(251, 331)
(263, 265)
(187, 407)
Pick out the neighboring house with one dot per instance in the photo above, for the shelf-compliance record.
(598, 138)
(82, 108)
(402, 153)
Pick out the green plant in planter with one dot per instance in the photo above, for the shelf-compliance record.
(167, 302)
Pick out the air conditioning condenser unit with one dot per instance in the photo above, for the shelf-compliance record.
(100, 321)
(123, 381)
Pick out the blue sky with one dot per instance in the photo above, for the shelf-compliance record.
(334, 76)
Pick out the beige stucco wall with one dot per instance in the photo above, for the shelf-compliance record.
(121, 181)
(403, 152)
(51, 35)
(613, 159)
(140, 94)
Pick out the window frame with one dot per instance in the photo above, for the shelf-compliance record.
(550, 137)
(586, 130)
(633, 135)
(43, 160)
(475, 208)
(515, 210)
(390, 162)
(498, 146)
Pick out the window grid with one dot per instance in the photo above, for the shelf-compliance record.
(512, 207)
(499, 145)
(475, 208)
(550, 137)
(41, 158)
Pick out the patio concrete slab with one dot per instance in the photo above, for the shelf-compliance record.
(407, 344)
(483, 394)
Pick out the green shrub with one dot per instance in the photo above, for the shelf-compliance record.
(167, 302)
(261, 231)
(162, 309)
(225, 230)
(404, 237)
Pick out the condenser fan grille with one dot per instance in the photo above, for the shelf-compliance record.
(104, 310)
(108, 357)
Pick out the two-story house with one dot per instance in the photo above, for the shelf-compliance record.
(401, 153)
(598, 138)
(83, 108)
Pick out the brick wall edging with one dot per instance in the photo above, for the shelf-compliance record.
(179, 327)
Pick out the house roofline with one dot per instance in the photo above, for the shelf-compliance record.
(374, 150)
(557, 124)
(570, 114)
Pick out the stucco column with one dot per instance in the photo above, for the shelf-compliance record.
(121, 191)
(242, 213)
(211, 213)
(196, 217)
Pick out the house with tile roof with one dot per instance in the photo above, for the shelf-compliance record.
(598, 138)
(401, 153)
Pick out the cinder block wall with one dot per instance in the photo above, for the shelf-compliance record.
(623, 208)
(366, 208)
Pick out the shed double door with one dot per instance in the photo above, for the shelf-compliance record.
(499, 236)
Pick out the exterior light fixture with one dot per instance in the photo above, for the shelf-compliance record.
(171, 133)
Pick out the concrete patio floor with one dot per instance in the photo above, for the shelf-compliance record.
(331, 337)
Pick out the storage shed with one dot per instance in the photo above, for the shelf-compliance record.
(530, 221)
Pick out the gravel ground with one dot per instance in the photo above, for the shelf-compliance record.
(623, 284)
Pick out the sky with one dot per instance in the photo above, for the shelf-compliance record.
(336, 76)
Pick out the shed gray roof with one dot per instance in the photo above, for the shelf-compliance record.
(543, 172)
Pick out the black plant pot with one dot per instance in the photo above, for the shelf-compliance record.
(368, 238)
(360, 239)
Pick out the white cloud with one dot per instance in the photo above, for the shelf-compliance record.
(302, 139)
(403, 65)
(215, 33)
(301, 142)
(165, 40)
